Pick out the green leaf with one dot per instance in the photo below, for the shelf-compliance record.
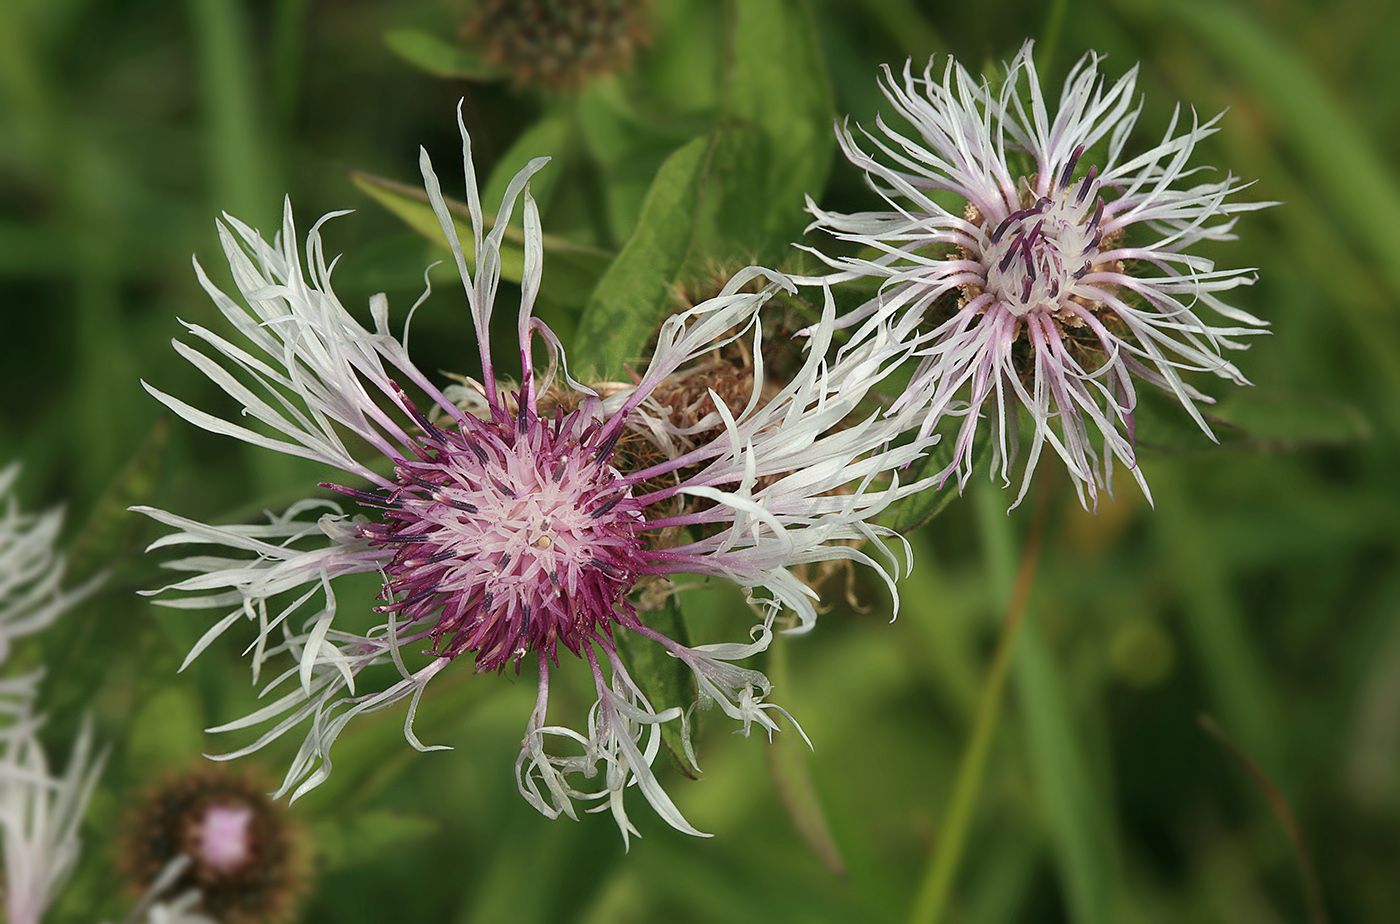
(1255, 419)
(778, 143)
(636, 292)
(440, 58)
(731, 197)
(571, 271)
(628, 149)
(242, 162)
(917, 509)
(1271, 419)
(365, 837)
(665, 680)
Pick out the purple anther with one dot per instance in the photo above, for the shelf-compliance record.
(1069, 167)
(1087, 184)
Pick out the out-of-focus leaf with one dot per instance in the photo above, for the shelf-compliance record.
(440, 58)
(28, 250)
(571, 271)
(1278, 420)
(665, 680)
(167, 732)
(628, 149)
(240, 150)
(997, 888)
(112, 530)
(779, 144)
(349, 839)
(549, 137)
(1240, 681)
(637, 289)
(1258, 419)
(792, 777)
(561, 855)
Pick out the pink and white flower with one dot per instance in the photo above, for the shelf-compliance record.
(511, 532)
(40, 815)
(31, 571)
(1044, 287)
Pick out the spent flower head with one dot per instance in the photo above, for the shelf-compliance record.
(1040, 261)
(508, 528)
(558, 44)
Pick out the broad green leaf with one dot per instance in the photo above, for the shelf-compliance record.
(733, 196)
(570, 273)
(440, 58)
(353, 838)
(779, 112)
(1270, 419)
(665, 680)
(637, 289)
(628, 148)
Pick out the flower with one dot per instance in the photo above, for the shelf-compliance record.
(30, 571)
(1048, 286)
(238, 851)
(558, 44)
(39, 816)
(508, 528)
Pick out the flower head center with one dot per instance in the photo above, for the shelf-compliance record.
(1034, 257)
(512, 535)
(224, 837)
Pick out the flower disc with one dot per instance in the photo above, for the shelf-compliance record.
(513, 535)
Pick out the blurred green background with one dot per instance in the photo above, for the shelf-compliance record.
(1262, 591)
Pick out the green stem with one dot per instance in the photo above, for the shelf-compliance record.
(932, 898)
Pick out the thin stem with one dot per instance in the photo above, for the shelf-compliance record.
(932, 898)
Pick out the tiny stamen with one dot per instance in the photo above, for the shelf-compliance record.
(606, 507)
(605, 448)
